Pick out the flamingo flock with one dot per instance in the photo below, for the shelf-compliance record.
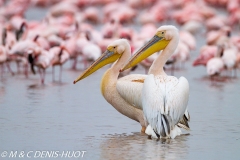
(80, 31)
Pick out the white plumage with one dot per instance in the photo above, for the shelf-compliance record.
(130, 89)
(164, 100)
(215, 66)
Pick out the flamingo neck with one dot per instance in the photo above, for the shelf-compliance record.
(157, 66)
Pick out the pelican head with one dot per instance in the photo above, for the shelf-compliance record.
(113, 52)
(158, 42)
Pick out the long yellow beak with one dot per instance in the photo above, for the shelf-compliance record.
(106, 58)
(154, 45)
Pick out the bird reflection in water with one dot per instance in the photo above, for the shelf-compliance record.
(137, 146)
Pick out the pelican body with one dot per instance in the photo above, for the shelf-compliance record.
(122, 93)
(164, 98)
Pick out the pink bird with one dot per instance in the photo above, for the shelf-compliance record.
(124, 14)
(206, 53)
(10, 38)
(229, 58)
(63, 8)
(92, 14)
(111, 28)
(233, 6)
(188, 13)
(19, 25)
(235, 40)
(72, 48)
(218, 37)
(60, 57)
(40, 58)
(234, 17)
(181, 54)
(188, 39)
(215, 66)
(192, 26)
(89, 50)
(216, 22)
(16, 7)
(109, 8)
(18, 53)
(44, 3)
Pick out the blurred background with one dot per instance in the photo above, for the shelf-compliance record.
(46, 44)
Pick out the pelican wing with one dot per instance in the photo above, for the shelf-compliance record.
(183, 123)
(164, 100)
(130, 89)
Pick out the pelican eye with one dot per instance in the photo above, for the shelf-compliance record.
(162, 32)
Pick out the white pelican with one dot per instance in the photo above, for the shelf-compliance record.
(113, 88)
(164, 98)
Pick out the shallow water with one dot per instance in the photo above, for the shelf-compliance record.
(60, 116)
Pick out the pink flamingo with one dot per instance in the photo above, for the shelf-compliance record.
(110, 29)
(72, 48)
(181, 54)
(43, 3)
(16, 7)
(216, 22)
(192, 26)
(215, 66)
(122, 12)
(62, 8)
(89, 50)
(40, 58)
(206, 53)
(229, 58)
(218, 37)
(92, 14)
(235, 40)
(188, 39)
(189, 12)
(18, 53)
(9, 38)
(235, 17)
(60, 57)
(109, 8)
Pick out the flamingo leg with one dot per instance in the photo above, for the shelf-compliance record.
(85, 63)
(1, 71)
(26, 70)
(3, 68)
(9, 68)
(18, 67)
(234, 73)
(53, 73)
(74, 65)
(43, 76)
(60, 74)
